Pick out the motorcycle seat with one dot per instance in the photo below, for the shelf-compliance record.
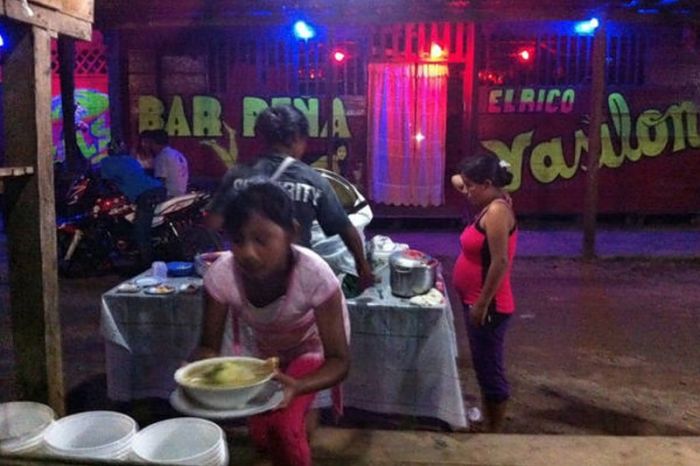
(177, 203)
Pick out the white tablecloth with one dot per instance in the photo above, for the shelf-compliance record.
(403, 356)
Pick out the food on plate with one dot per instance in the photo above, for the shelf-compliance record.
(189, 288)
(232, 373)
(160, 289)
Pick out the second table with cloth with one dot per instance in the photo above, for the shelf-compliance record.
(403, 356)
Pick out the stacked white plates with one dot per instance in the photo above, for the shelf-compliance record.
(184, 440)
(22, 426)
(93, 434)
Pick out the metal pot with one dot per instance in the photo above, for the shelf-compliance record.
(412, 273)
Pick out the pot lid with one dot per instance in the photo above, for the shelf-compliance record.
(409, 258)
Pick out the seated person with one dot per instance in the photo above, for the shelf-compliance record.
(128, 175)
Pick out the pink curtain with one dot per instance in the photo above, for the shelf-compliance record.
(407, 108)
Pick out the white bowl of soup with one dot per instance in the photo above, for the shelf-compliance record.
(225, 382)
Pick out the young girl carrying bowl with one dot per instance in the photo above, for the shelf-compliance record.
(292, 302)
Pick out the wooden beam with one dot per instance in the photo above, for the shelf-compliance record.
(590, 206)
(30, 218)
(81, 9)
(49, 19)
(53, 4)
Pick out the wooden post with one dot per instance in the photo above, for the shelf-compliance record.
(331, 88)
(31, 223)
(75, 162)
(114, 71)
(471, 85)
(590, 206)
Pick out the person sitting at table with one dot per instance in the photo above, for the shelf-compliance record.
(291, 301)
(129, 176)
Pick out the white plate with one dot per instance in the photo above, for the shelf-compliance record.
(128, 288)
(147, 281)
(268, 399)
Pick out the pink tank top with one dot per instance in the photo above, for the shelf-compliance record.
(473, 263)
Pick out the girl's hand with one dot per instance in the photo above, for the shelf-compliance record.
(478, 313)
(290, 387)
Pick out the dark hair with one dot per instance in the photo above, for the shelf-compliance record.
(117, 147)
(486, 167)
(338, 143)
(159, 136)
(280, 124)
(263, 197)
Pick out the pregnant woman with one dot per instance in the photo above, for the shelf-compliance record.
(482, 276)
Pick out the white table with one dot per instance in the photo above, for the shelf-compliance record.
(403, 356)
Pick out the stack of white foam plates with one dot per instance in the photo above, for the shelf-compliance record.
(184, 440)
(93, 434)
(23, 425)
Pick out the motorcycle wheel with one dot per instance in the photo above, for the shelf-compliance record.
(198, 239)
(87, 260)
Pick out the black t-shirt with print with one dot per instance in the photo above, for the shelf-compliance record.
(313, 196)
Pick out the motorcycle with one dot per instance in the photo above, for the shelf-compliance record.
(98, 236)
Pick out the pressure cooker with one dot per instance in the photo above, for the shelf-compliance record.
(411, 273)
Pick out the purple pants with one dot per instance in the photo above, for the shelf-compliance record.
(486, 345)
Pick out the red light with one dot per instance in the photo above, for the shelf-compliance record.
(436, 52)
(339, 56)
(525, 55)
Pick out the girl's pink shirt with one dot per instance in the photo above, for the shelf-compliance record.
(286, 328)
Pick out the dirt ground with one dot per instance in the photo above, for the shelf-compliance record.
(608, 347)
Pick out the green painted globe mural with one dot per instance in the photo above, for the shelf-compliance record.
(91, 123)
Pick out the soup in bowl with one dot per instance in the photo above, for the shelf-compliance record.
(225, 382)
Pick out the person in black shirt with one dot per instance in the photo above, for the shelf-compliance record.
(285, 130)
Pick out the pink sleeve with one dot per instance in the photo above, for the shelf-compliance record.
(325, 281)
(217, 280)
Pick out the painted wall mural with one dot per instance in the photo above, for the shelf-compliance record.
(91, 122)
(550, 152)
(206, 119)
(650, 138)
(652, 133)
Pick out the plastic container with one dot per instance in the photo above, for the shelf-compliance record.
(93, 434)
(22, 426)
(184, 440)
(180, 269)
(159, 270)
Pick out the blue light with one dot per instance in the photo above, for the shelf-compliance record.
(2, 41)
(303, 31)
(587, 27)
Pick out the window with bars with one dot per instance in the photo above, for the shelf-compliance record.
(283, 66)
(89, 60)
(553, 59)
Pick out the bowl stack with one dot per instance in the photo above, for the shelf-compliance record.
(93, 434)
(23, 425)
(185, 440)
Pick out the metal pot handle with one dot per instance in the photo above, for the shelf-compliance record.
(399, 269)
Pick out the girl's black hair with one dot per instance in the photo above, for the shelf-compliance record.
(486, 167)
(280, 124)
(265, 198)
